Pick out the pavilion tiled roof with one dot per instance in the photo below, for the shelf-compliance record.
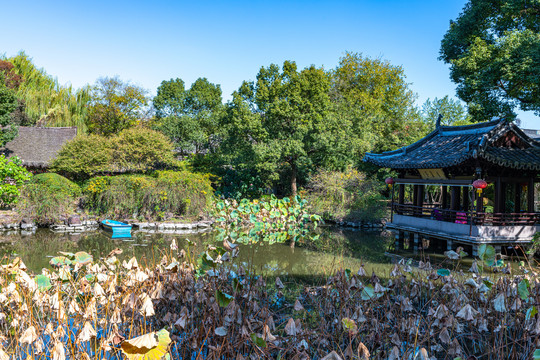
(452, 145)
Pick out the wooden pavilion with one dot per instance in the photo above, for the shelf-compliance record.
(451, 158)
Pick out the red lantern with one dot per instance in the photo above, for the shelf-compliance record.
(479, 185)
(389, 181)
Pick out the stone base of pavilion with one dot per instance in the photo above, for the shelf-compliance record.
(454, 234)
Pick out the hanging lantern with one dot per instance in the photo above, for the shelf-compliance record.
(479, 185)
(389, 181)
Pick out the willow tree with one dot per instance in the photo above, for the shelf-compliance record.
(46, 101)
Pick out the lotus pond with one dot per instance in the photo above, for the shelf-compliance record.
(333, 250)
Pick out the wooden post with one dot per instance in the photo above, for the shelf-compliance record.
(530, 196)
(466, 199)
(498, 194)
(421, 196)
(517, 198)
(401, 197)
(444, 204)
(456, 194)
(480, 202)
(415, 198)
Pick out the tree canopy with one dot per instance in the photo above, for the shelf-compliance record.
(450, 110)
(280, 124)
(115, 105)
(189, 117)
(493, 49)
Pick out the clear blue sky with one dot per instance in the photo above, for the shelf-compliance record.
(228, 41)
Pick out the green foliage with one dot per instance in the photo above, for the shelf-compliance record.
(278, 126)
(141, 149)
(115, 106)
(57, 183)
(44, 204)
(84, 156)
(346, 195)
(132, 150)
(189, 117)
(374, 104)
(273, 220)
(12, 177)
(8, 104)
(492, 49)
(44, 100)
(452, 112)
(170, 193)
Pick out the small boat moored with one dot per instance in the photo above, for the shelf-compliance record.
(118, 228)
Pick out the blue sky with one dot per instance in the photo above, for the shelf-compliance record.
(227, 42)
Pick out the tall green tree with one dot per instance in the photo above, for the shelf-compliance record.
(493, 49)
(280, 125)
(43, 100)
(115, 105)
(189, 117)
(374, 97)
(450, 110)
(8, 101)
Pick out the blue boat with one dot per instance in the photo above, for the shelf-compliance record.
(118, 229)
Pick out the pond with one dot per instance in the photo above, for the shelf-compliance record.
(335, 248)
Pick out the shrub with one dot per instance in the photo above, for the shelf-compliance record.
(83, 157)
(58, 183)
(177, 193)
(12, 177)
(133, 150)
(141, 149)
(346, 195)
(44, 204)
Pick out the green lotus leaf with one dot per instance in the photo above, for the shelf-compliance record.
(43, 282)
(59, 261)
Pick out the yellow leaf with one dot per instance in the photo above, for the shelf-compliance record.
(152, 346)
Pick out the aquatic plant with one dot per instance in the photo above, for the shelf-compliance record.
(272, 220)
(210, 306)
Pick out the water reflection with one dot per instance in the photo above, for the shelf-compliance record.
(333, 250)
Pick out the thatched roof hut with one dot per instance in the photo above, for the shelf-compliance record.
(38, 146)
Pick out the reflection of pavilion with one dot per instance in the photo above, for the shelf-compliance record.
(451, 158)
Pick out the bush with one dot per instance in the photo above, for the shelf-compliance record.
(176, 193)
(44, 204)
(83, 157)
(346, 195)
(12, 177)
(57, 183)
(133, 150)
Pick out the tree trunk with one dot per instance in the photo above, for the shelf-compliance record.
(294, 173)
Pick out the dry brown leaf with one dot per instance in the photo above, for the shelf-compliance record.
(28, 336)
(290, 328)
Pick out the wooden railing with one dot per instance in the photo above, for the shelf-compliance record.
(467, 217)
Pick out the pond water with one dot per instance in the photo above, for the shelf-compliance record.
(335, 249)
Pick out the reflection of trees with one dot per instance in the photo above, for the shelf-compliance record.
(333, 250)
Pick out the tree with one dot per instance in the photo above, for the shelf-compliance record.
(493, 52)
(189, 117)
(115, 105)
(375, 98)
(8, 101)
(450, 110)
(42, 100)
(279, 126)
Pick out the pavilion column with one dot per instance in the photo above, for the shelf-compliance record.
(415, 198)
(401, 197)
(530, 196)
(421, 195)
(517, 198)
(456, 197)
(444, 204)
(499, 196)
(466, 199)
